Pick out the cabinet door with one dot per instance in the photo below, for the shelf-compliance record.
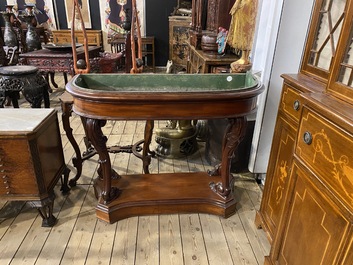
(325, 28)
(341, 79)
(277, 178)
(316, 228)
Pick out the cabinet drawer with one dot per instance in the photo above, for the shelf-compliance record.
(327, 150)
(290, 103)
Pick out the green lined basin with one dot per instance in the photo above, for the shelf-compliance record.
(176, 83)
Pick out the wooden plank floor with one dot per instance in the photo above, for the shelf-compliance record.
(80, 238)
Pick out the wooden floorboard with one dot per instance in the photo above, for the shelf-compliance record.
(80, 238)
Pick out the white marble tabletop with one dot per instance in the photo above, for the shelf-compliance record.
(21, 120)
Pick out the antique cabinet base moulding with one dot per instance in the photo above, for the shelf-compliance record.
(98, 98)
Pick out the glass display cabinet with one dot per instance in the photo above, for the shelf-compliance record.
(307, 204)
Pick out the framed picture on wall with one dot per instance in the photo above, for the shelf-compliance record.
(112, 13)
(85, 12)
(49, 11)
(44, 11)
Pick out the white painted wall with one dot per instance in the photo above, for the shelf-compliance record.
(278, 49)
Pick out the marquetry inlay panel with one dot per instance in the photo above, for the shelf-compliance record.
(328, 153)
(324, 228)
(281, 176)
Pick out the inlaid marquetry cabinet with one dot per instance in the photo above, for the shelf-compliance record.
(178, 39)
(307, 204)
(278, 178)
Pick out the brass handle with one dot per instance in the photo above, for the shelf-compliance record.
(296, 105)
(308, 138)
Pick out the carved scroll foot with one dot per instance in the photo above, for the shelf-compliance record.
(233, 135)
(219, 189)
(111, 195)
(216, 171)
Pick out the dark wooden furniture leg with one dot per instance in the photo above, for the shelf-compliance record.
(95, 134)
(65, 77)
(66, 106)
(52, 79)
(147, 154)
(233, 135)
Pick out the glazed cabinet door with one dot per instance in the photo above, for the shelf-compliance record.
(326, 25)
(316, 229)
(341, 79)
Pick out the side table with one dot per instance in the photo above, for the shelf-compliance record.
(31, 159)
(201, 62)
(25, 79)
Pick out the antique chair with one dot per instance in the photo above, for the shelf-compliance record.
(121, 44)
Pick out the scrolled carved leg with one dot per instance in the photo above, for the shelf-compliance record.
(90, 151)
(66, 108)
(95, 135)
(233, 135)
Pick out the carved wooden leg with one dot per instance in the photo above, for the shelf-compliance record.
(46, 77)
(90, 151)
(45, 209)
(65, 78)
(146, 152)
(66, 107)
(52, 79)
(95, 135)
(233, 135)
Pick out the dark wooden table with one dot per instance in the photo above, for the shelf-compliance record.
(201, 62)
(52, 61)
(97, 98)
